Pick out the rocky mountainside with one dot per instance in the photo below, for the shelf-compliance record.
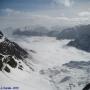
(69, 33)
(74, 32)
(82, 42)
(11, 54)
(80, 36)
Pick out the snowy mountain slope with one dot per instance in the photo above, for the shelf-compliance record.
(44, 63)
(49, 55)
(11, 55)
(16, 68)
(24, 80)
(68, 76)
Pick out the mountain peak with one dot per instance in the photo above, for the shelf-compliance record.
(1, 35)
(11, 54)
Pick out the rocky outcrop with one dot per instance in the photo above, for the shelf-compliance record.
(11, 54)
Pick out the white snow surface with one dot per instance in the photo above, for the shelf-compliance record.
(48, 53)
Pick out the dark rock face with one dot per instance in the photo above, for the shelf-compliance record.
(20, 67)
(7, 60)
(1, 62)
(11, 62)
(1, 34)
(10, 54)
(7, 69)
(11, 48)
(87, 87)
(1, 65)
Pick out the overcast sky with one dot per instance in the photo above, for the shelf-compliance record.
(20, 13)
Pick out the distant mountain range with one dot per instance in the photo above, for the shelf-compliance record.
(82, 38)
(38, 31)
(79, 34)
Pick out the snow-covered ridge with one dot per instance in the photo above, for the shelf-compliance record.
(70, 76)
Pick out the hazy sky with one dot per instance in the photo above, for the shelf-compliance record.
(19, 13)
